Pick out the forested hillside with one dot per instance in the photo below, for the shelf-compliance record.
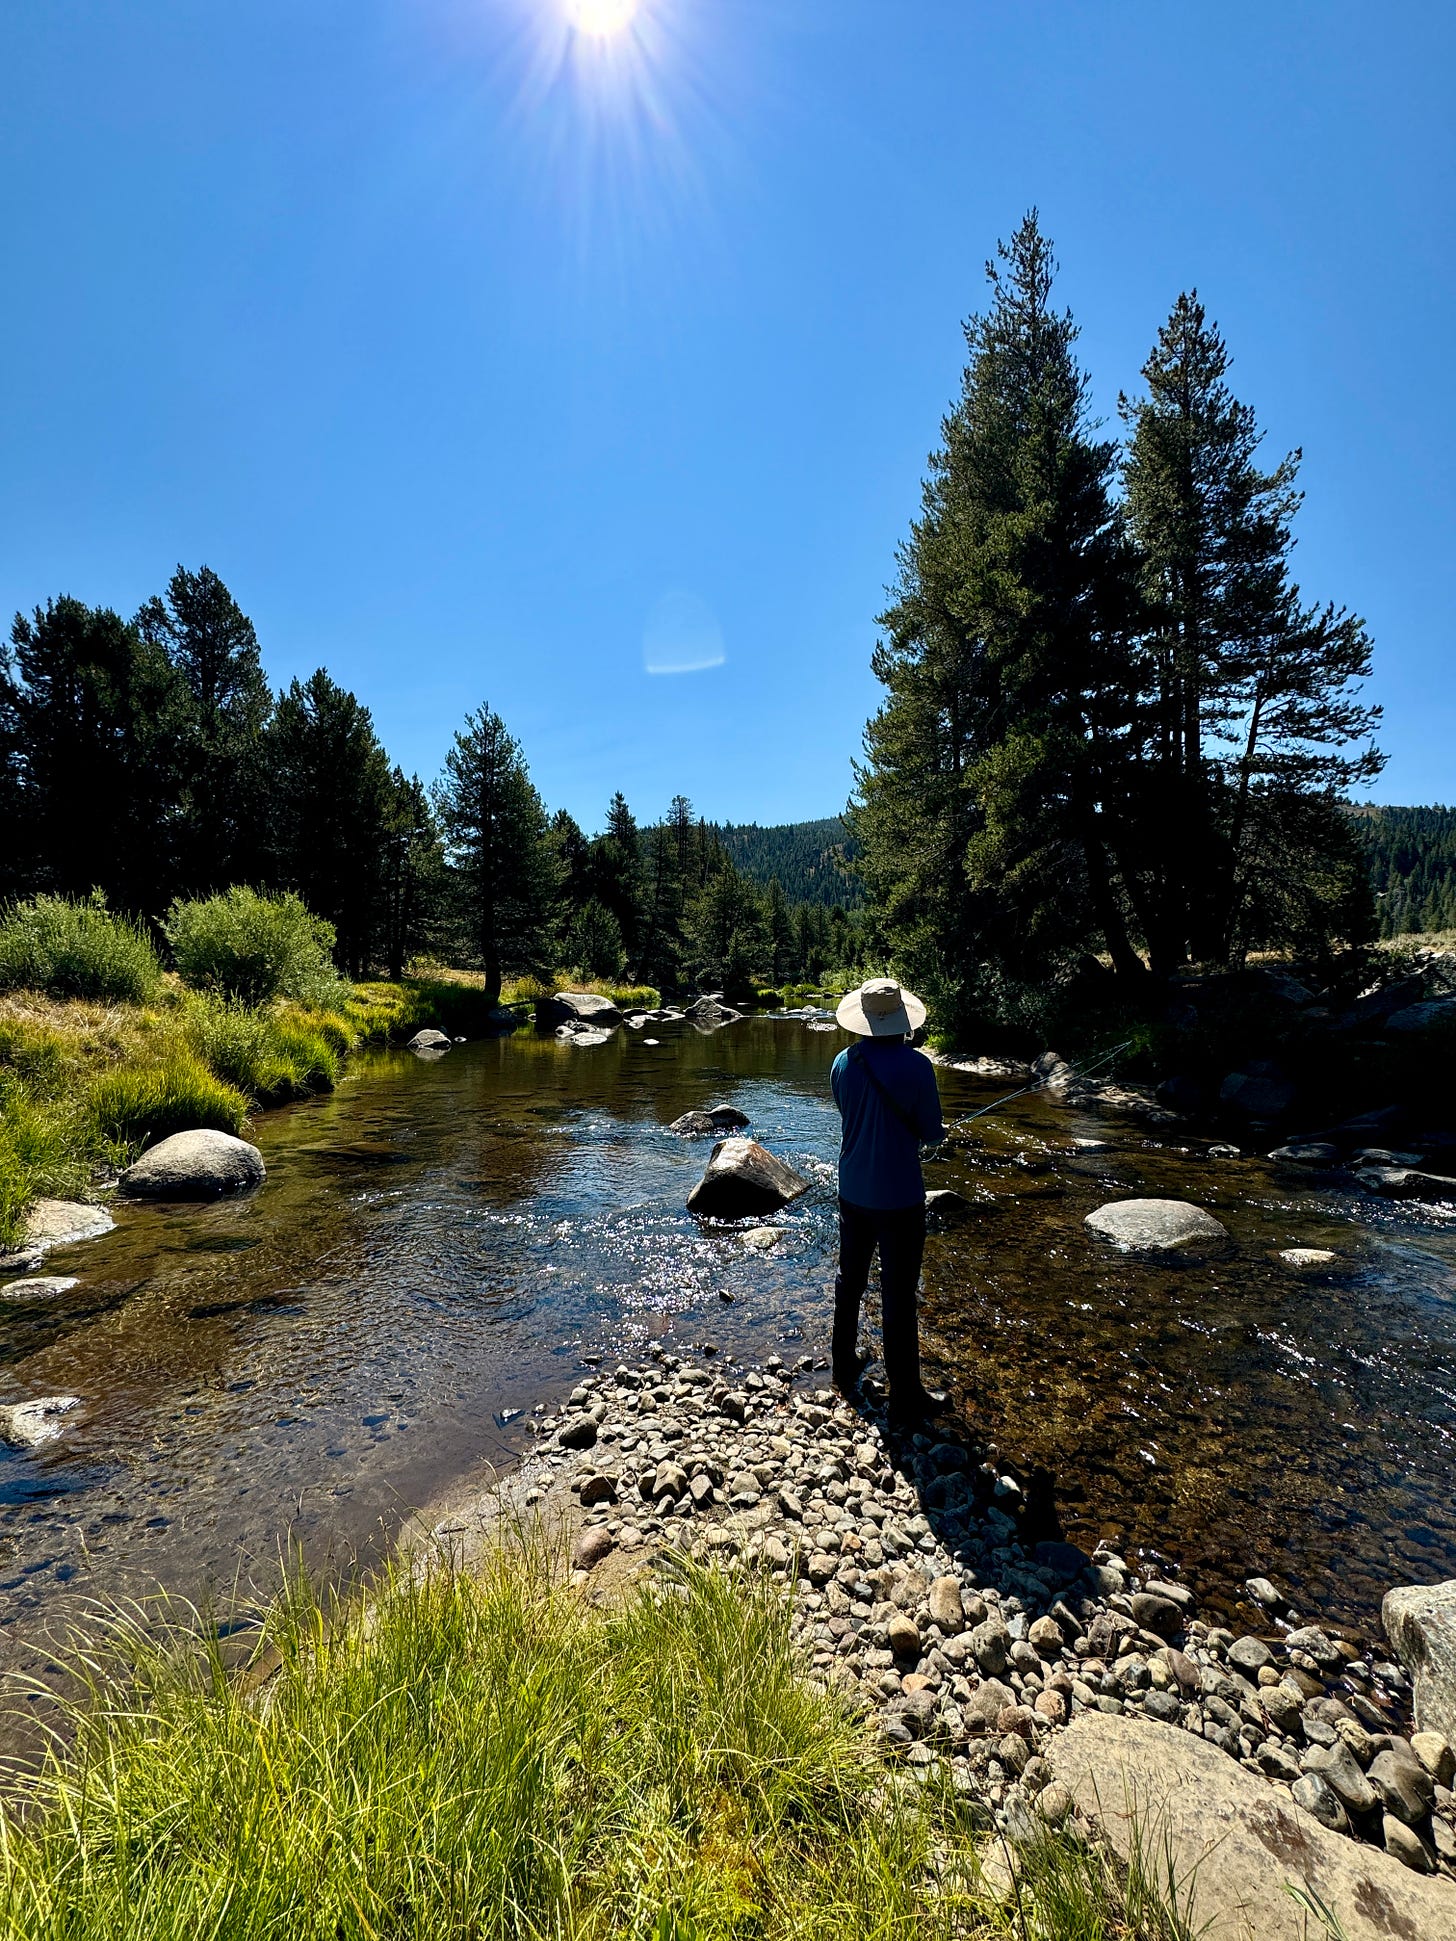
(808, 858)
(1411, 854)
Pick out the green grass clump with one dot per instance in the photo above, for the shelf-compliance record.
(270, 1056)
(76, 949)
(139, 1104)
(254, 948)
(38, 1155)
(487, 1758)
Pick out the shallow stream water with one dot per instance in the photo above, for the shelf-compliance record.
(439, 1243)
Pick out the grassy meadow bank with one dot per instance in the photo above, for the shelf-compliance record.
(486, 1754)
(103, 1052)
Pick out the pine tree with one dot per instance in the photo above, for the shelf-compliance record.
(616, 872)
(92, 721)
(507, 870)
(211, 643)
(778, 931)
(1254, 702)
(991, 807)
(412, 873)
(660, 956)
(725, 931)
(331, 796)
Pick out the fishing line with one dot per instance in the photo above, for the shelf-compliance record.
(1040, 1084)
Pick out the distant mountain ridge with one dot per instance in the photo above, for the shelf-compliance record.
(808, 858)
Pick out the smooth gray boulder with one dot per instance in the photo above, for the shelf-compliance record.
(429, 1040)
(579, 1007)
(1234, 1843)
(744, 1178)
(582, 1036)
(201, 1165)
(1157, 1226)
(29, 1425)
(1420, 1621)
(60, 1223)
(1314, 1153)
(709, 1012)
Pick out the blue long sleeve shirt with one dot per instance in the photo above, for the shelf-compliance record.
(879, 1156)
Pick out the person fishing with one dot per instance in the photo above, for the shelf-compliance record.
(889, 1106)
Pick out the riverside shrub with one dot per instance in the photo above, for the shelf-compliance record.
(254, 948)
(70, 948)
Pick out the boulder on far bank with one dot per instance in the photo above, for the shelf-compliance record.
(201, 1165)
(1420, 1621)
(1157, 1226)
(744, 1178)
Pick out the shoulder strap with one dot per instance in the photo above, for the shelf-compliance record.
(887, 1098)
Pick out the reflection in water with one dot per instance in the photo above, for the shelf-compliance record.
(439, 1242)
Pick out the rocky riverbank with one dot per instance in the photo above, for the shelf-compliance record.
(918, 1593)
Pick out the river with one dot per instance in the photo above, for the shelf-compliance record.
(441, 1242)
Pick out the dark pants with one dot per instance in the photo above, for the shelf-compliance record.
(900, 1236)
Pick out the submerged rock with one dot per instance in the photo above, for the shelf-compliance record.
(1307, 1260)
(42, 1287)
(944, 1207)
(201, 1165)
(1157, 1226)
(60, 1223)
(28, 1425)
(743, 1178)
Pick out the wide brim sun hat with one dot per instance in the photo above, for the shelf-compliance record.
(881, 1008)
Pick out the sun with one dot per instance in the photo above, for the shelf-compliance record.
(602, 19)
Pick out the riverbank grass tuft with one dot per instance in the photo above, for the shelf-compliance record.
(485, 1755)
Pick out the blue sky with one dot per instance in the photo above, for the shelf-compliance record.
(489, 360)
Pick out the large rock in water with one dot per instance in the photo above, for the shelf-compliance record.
(429, 1040)
(1158, 1226)
(1405, 1183)
(717, 1118)
(1420, 1621)
(578, 1007)
(744, 1178)
(1235, 1845)
(202, 1165)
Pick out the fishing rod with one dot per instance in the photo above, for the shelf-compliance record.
(1089, 1070)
